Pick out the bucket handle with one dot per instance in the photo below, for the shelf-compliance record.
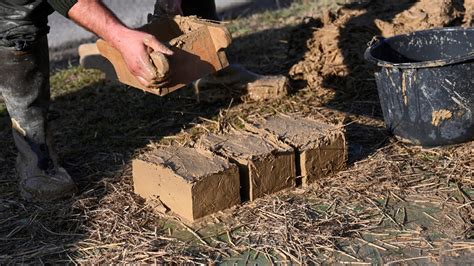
(370, 45)
(375, 40)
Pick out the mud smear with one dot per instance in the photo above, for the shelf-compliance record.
(336, 49)
(440, 116)
(191, 183)
(191, 164)
(320, 147)
(265, 166)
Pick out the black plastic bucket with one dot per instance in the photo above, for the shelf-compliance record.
(426, 85)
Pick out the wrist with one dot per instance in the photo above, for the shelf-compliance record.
(116, 36)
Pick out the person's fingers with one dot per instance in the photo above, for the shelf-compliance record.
(154, 44)
(162, 65)
(145, 67)
(143, 81)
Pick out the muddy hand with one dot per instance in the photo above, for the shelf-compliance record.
(149, 74)
(162, 68)
(134, 47)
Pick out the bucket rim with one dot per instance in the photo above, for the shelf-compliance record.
(378, 40)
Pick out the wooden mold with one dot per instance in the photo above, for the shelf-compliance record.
(198, 47)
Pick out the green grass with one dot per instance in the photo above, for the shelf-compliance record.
(3, 109)
(74, 79)
(278, 18)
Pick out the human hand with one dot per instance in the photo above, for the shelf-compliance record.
(135, 48)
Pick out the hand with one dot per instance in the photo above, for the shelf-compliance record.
(135, 47)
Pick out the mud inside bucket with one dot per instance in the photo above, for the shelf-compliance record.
(426, 85)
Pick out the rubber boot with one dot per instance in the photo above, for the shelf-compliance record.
(25, 89)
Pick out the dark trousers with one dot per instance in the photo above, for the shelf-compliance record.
(25, 90)
(202, 8)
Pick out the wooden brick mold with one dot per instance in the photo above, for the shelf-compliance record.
(198, 47)
(321, 147)
(192, 183)
(265, 167)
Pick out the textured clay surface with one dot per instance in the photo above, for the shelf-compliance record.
(424, 14)
(236, 81)
(265, 167)
(192, 183)
(268, 88)
(338, 44)
(321, 146)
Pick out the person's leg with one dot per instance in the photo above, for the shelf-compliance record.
(25, 89)
(205, 9)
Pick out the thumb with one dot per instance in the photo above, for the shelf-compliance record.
(154, 44)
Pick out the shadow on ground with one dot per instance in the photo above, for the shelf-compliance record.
(239, 10)
(356, 93)
(103, 127)
(100, 129)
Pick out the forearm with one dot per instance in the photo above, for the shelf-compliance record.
(97, 18)
(134, 46)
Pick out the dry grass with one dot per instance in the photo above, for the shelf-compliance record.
(394, 203)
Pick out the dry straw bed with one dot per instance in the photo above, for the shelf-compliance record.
(394, 204)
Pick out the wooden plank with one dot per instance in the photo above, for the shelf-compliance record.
(198, 52)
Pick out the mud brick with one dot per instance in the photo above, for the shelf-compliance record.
(265, 167)
(192, 183)
(321, 147)
(90, 57)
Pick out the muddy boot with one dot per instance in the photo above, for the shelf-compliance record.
(25, 89)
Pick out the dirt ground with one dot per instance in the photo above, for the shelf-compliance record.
(394, 204)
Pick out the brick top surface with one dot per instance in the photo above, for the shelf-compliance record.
(299, 132)
(191, 164)
(244, 146)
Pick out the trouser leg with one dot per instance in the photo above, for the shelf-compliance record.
(25, 89)
(204, 9)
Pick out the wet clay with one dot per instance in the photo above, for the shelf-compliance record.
(268, 88)
(425, 14)
(235, 81)
(265, 167)
(191, 183)
(440, 116)
(336, 48)
(321, 147)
